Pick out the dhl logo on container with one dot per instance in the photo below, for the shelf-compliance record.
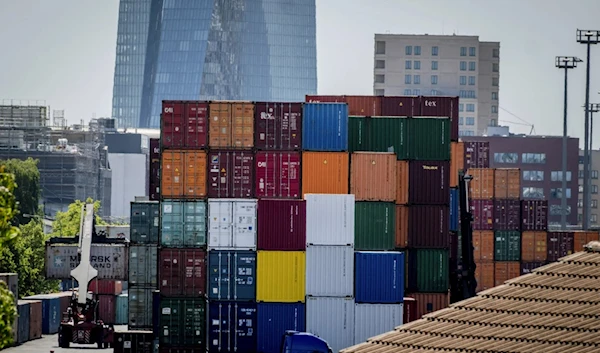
(183, 173)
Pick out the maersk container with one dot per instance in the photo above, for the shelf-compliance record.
(428, 270)
(23, 316)
(329, 271)
(232, 224)
(232, 327)
(111, 261)
(51, 314)
(183, 322)
(332, 319)
(143, 260)
(374, 319)
(122, 309)
(388, 134)
(281, 225)
(232, 275)
(325, 127)
(454, 209)
(507, 245)
(144, 222)
(183, 223)
(278, 126)
(429, 183)
(329, 219)
(273, 319)
(379, 277)
(429, 139)
(375, 226)
(140, 307)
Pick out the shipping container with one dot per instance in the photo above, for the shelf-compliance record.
(457, 161)
(194, 349)
(400, 106)
(114, 231)
(482, 185)
(105, 286)
(364, 105)
(454, 216)
(582, 238)
(106, 308)
(325, 172)
(559, 244)
(154, 150)
(358, 133)
(230, 174)
(477, 154)
(184, 124)
(329, 219)
(428, 270)
(281, 276)
(311, 98)
(35, 319)
(429, 140)
(507, 214)
(375, 226)
(154, 181)
(409, 310)
(329, 271)
(402, 218)
(483, 245)
(232, 224)
(437, 106)
(122, 309)
(507, 245)
(484, 275)
(183, 223)
(143, 260)
(430, 302)
(530, 267)
(23, 321)
(144, 222)
(325, 127)
(507, 183)
(402, 177)
(534, 247)
(332, 319)
(231, 125)
(374, 319)
(428, 226)
(183, 174)
(379, 277)
(183, 322)
(387, 134)
(232, 275)
(278, 126)
(276, 318)
(534, 215)
(111, 261)
(133, 342)
(504, 271)
(428, 182)
(232, 327)
(373, 176)
(155, 312)
(281, 224)
(182, 272)
(12, 282)
(64, 299)
(483, 214)
(453, 244)
(277, 174)
(140, 307)
(51, 314)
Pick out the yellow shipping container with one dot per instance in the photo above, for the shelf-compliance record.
(280, 276)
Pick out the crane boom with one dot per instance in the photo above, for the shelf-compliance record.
(85, 272)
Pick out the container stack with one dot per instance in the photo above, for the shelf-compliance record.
(107, 291)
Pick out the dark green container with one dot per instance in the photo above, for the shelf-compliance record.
(358, 139)
(507, 245)
(389, 135)
(375, 226)
(183, 322)
(144, 225)
(429, 139)
(428, 270)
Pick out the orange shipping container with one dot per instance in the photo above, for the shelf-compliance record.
(457, 161)
(231, 124)
(507, 183)
(429, 302)
(401, 182)
(373, 176)
(483, 245)
(533, 246)
(503, 271)
(364, 105)
(581, 238)
(484, 274)
(482, 185)
(402, 227)
(325, 172)
(183, 173)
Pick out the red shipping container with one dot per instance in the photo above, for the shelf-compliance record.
(436, 106)
(477, 154)
(281, 225)
(400, 106)
(107, 307)
(410, 310)
(277, 174)
(364, 105)
(230, 174)
(529, 267)
(35, 319)
(324, 99)
(106, 286)
(534, 215)
(429, 182)
(559, 244)
(278, 126)
(184, 124)
(507, 214)
(182, 272)
(483, 214)
(428, 226)
(429, 302)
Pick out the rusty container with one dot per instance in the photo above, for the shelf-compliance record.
(503, 271)
(373, 176)
(231, 124)
(183, 174)
(484, 274)
(364, 105)
(457, 161)
(507, 183)
(429, 302)
(401, 227)
(534, 246)
(483, 245)
(325, 172)
(482, 185)
(581, 238)
(402, 177)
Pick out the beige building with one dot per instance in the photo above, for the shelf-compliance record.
(595, 182)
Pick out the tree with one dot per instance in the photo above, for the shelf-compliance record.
(8, 209)
(8, 313)
(66, 224)
(28, 191)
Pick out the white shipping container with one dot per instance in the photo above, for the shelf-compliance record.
(332, 319)
(111, 261)
(330, 270)
(232, 224)
(374, 319)
(329, 219)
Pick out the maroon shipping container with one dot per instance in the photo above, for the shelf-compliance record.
(477, 155)
(528, 267)
(410, 310)
(507, 214)
(364, 105)
(281, 225)
(453, 245)
(278, 126)
(182, 272)
(436, 106)
(429, 302)
(483, 214)
(184, 124)
(400, 106)
(534, 215)
(154, 181)
(154, 150)
(277, 174)
(324, 99)
(230, 174)
(559, 244)
(106, 286)
(107, 307)
(429, 182)
(428, 226)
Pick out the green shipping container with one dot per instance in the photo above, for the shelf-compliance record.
(507, 245)
(183, 322)
(122, 309)
(375, 226)
(183, 223)
(429, 139)
(144, 222)
(428, 270)
(389, 135)
(358, 139)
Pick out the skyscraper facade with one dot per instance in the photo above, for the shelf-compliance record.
(258, 50)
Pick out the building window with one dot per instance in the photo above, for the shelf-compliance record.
(463, 80)
(462, 94)
(379, 78)
(463, 51)
(470, 107)
(434, 65)
(407, 79)
(416, 92)
(493, 122)
(495, 81)
(434, 51)
(472, 51)
(471, 94)
(380, 64)
(533, 158)
(434, 79)
(506, 157)
(593, 218)
(594, 189)
(380, 47)
(494, 109)
(461, 107)
(466, 133)
(417, 79)
(417, 65)
(579, 203)
(594, 174)
(380, 92)
(460, 120)
(580, 188)
(579, 217)
(408, 64)
(533, 193)
(531, 175)
(580, 174)
(581, 159)
(471, 80)
(557, 176)
(417, 50)
(495, 67)
(494, 96)
(434, 92)
(557, 193)
(496, 53)
(463, 66)
(594, 204)
(407, 92)
(470, 121)
(408, 50)
(471, 66)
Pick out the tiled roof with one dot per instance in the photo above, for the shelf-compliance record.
(554, 309)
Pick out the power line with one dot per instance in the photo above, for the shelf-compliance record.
(523, 120)
(514, 122)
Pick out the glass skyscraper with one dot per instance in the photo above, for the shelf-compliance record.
(257, 50)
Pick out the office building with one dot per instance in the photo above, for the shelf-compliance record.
(595, 184)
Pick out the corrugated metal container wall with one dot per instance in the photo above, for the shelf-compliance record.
(281, 276)
(111, 261)
(64, 299)
(484, 275)
(106, 308)
(454, 209)
(402, 177)
(133, 342)
(441, 107)
(277, 174)
(154, 170)
(183, 223)
(23, 317)
(379, 277)
(332, 319)
(559, 244)
(184, 124)
(51, 314)
(325, 172)
(278, 126)
(429, 139)
(409, 308)
(273, 319)
(324, 99)
(374, 319)
(482, 185)
(457, 161)
(183, 322)
(122, 309)
(428, 181)
(507, 214)
(232, 275)
(430, 302)
(358, 138)
(329, 219)
(483, 245)
(183, 173)
(231, 125)
(529, 267)
(231, 327)
(533, 246)
(232, 224)
(281, 224)
(144, 222)
(35, 319)
(230, 174)
(385, 134)
(142, 265)
(507, 183)
(402, 219)
(182, 272)
(534, 215)
(329, 271)
(428, 270)
(581, 238)
(140, 307)
(364, 105)
(483, 214)
(375, 226)
(400, 106)
(507, 245)
(428, 226)
(503, 271)
(105, 286)
(477, 154)
(373, 176)
(325, 127)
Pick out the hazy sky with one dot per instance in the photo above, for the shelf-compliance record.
(63, 51)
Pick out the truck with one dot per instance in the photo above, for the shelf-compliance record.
(303, 342)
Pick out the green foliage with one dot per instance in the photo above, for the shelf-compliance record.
(8, 209)
(28, 191)
(66, 224)
(8, 313)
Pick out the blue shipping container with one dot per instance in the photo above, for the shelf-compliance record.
(325, 127)
(122, 309)
(274, 319)
(183, 223)
(232, 275)
(51, 314)
(24, 312)
(454, 209)
(232, 327)
(379, 277)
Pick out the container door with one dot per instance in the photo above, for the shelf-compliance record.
(244, 227)
(220, 224)
(172, 223)
(140, 308)
(219, 274)
(194, 224)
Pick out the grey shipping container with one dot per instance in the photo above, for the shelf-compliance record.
(143, 261)
(232, 275)
(111, 261)
(140, 307)
(332, 319)
(144, 222)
